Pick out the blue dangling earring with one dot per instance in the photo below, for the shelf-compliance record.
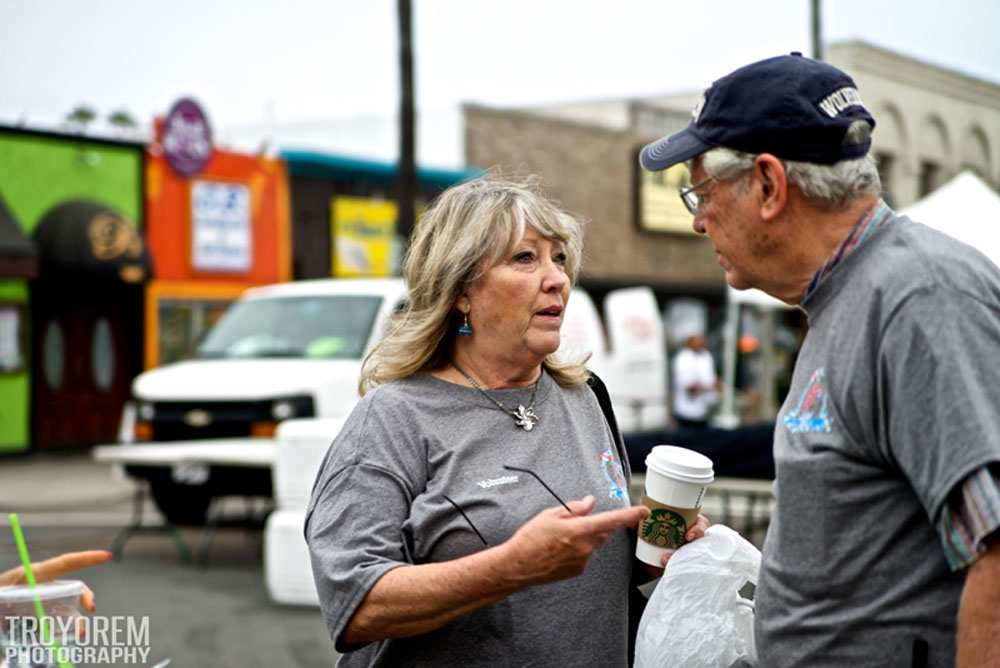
(465, 329)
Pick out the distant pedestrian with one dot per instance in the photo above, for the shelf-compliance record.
(884, 542)
(695, 383)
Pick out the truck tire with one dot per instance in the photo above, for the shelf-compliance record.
(181, 505)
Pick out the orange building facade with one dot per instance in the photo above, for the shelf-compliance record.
(211, 235)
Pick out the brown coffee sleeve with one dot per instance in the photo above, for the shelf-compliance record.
(666, 525)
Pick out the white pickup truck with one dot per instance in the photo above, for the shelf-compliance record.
(294, 350)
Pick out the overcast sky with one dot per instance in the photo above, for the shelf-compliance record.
(254, 63)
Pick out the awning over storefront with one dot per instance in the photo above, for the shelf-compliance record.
(331, 166)
(82, 238)
(17, 254)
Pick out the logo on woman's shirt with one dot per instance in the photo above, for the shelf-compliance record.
(493, 482)
(614, 475)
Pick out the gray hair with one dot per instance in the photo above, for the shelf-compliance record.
(469, 229)
(827, 186)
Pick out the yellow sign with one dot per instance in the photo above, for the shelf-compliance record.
(362, 231)
(660, 208)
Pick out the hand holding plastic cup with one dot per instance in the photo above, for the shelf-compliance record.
(676, 479)
(58, 600)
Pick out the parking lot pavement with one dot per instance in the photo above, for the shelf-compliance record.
(218, 616)
(64, 489)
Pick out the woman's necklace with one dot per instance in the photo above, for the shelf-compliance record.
(525, 418)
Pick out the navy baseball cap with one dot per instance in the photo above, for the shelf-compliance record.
(790, 106)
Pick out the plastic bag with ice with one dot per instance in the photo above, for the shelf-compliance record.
(701, 613)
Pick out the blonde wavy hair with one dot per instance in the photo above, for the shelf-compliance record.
(469, 229)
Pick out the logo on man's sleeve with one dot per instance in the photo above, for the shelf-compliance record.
(812, 414)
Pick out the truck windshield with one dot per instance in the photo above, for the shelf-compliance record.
(332, 326)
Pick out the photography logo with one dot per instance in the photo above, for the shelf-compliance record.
(50, 641)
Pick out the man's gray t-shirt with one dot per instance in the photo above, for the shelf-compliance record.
(379, 503)
(894, 401)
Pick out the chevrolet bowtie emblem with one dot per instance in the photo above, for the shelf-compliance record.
(197, 418)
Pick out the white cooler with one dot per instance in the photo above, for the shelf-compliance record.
(302, 444)
(287, 569)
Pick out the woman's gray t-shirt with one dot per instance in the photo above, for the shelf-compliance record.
(379, 503)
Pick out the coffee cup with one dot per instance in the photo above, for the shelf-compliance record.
(676, 479)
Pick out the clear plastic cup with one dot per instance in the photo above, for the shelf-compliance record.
(20, 629)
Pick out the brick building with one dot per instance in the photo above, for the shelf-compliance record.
(932, 123)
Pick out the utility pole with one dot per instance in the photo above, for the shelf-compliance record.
(817, 30)
(406, 174)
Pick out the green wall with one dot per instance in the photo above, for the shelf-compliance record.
(15, 388)
(39, 172)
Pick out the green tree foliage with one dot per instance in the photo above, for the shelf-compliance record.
(122, 119)
(81, 116)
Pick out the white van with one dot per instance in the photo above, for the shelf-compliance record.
(291, 350)
(294, 350)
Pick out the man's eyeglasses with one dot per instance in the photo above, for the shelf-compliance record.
(690, 195)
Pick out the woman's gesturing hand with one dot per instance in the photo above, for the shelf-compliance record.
(555, 545)
(56, 567)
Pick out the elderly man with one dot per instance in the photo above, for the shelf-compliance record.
(883, 548)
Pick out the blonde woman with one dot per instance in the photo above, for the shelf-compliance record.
(473, 510)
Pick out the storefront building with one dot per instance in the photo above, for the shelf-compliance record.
(217, 225)
(344, 213)
(115, 257)
(72, 267)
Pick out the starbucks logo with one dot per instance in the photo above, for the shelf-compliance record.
(663, 528)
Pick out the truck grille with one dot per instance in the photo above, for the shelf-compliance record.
(188, 420)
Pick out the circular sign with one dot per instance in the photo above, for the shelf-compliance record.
(187, 137)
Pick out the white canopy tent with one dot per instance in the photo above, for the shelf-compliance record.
(965, 208)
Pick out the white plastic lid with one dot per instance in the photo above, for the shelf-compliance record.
(681, 464)
(45, 591)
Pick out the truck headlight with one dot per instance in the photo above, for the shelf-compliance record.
(146, 411)
(282, 410)
(292, 407)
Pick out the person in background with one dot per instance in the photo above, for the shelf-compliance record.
(437, 528)
(695, 385)
(883, 548)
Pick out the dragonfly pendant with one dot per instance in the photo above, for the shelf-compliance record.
(525, 418)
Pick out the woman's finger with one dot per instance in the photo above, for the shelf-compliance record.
(698, 529)
(50, 569)
(87, 600)
(14, 576)
(582, 506)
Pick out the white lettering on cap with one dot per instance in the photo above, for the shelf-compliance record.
(840, 99)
